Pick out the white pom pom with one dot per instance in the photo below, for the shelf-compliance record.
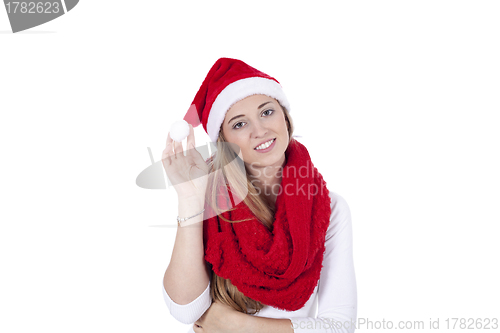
(179, 130)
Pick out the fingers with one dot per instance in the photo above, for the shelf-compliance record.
(191, 145)
(169, 145)
(165, 158)
(178, 149)
(190, 138)
(167, 152)
(176, 145)
(174, 148)
(169, 139)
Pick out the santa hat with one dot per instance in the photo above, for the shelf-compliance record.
(227, 82)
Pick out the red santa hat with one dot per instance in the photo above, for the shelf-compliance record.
(227, 82)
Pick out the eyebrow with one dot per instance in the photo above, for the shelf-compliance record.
(241, 115)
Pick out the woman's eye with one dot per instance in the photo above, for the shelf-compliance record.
(269, 111)
(236, 125)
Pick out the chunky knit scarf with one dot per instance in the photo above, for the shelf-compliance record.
(279, 268)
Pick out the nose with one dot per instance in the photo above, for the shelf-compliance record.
(259, 130)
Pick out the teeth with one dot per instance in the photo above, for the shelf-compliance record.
(265, 145)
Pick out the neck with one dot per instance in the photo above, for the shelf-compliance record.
(268, 179)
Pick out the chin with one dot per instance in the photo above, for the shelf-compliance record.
(269, 159)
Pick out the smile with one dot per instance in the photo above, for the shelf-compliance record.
(266, 145)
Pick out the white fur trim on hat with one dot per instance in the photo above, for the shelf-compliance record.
(237, 91)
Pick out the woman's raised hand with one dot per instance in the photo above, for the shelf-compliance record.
(188, 174)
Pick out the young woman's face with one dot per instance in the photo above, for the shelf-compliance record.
(255, 120)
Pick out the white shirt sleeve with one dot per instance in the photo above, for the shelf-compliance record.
(337, 295)
(191, 312)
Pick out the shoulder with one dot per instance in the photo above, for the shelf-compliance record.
(338, 204)
(340, 216)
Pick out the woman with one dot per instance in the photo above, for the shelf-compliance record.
(258, 243)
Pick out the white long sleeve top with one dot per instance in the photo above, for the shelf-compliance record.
(333, 305)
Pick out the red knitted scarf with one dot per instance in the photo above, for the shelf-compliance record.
(279, 268)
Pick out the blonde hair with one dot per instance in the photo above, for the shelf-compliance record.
(225, 172)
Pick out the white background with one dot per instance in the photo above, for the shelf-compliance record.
(396, 101)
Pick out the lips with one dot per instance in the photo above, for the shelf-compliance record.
(264, 142)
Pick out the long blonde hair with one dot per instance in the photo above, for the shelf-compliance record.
(225, 172)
